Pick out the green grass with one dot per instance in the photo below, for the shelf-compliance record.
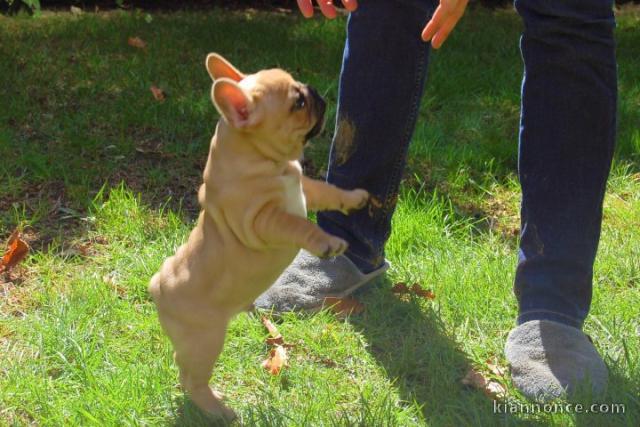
(102, 178)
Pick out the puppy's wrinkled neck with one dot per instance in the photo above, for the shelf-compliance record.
(249, 144)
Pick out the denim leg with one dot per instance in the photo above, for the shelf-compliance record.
(567, 135)
(381, 82)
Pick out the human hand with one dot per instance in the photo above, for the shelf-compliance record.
(443, 21)
(326, 6)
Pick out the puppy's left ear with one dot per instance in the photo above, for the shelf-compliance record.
(233, 103)
(218, 67)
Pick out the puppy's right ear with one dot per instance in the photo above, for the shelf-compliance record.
(218, 67)
(233, 103)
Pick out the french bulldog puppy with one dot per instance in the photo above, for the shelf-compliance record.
(253, 222)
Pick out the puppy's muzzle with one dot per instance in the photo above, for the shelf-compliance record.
(318, 107)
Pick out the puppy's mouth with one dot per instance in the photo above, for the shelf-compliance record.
(317, 110)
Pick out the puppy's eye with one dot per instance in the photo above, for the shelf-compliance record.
(300, 102)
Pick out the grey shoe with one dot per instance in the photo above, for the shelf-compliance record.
(309, 280)
(551, 360)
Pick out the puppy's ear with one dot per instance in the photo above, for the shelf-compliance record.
(233, 103)
(218, 67)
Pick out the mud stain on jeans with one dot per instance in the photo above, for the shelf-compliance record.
(534, 243)
(384, 207)
(374, 206)
(343, 144)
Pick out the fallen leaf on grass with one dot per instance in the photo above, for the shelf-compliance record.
(278, 355)
(16, 252)
(137, 42)
(401, 289)
(478, 381)
(158, 93)
(101, 240)
(276, 361)
(153, 148)
(424, 293)
(144, 150)
(495, 390)
(275, 338)
(344, 306)
(496, 370)
(329, 363)
(85, 249)
(111, 280)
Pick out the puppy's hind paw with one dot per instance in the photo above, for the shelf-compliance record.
(210, 402)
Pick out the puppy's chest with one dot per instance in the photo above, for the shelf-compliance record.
(294, 197)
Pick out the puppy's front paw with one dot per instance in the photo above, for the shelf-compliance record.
(335, 247)
(354, 200)
(329, 247)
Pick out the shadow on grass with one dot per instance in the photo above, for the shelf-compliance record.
(188, 415)
(425, 363)
(619, 407)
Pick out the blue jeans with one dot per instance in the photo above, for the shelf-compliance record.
(567, 137)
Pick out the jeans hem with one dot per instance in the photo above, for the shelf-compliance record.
(549, 315)
(364, 265)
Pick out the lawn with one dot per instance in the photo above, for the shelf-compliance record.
(101, 177)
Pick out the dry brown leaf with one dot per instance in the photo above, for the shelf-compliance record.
(478, 381)
(85, 249)
(495, 390)
(273, 331)
(329, 363)
(110, 280)
(496, 370)
(158, 93)
(474, 379)
(276, 361)
(80, 249)
(275, 338)
(149, 149)
(400, 288)
(153, 149)
(17, 250)
(424, 293)
(144, 150)
(344, 306)
(137, 42)
(101, 240)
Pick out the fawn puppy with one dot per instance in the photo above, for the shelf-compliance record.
(253, 222)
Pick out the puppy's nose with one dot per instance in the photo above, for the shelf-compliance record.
(318, 103)
(318, 107)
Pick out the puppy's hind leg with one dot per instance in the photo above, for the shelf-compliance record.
(196, 353)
